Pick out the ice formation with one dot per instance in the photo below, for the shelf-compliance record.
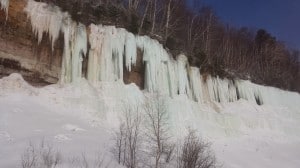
(45, 19)
(158, 64)
(221, 90)
(49, 19)
(114, 49)
(196, 84)
(164, 75)
(75, 48)
(109, 45)
(4, 4)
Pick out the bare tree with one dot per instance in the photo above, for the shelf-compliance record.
(41, 156)
(144, 15)
(195, 153)
(157, 130)
(128, 137)
(100, 161)
(133, 4)
(153, 15)
(170, 7)
(29, 158)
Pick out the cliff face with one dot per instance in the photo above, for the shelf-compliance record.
(21, 53)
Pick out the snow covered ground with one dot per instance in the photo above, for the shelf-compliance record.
(79, 119)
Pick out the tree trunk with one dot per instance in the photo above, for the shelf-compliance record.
(154, 16)
(144, 17)
(168, 20)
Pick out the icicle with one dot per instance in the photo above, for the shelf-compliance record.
(118, 51)
(106, 57)
(172, 78)
(246, 90)
(79, 49)
(232, 92)
(96, 39)
(108, 45)
(4, 4)
(131, 53)
(182, 75)
(75, 48)
(210, 88)
(45, 19)
(67, 28)
(49, 19)
(196, 84)
(159, 67)
(264, 95)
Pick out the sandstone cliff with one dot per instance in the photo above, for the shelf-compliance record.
(19, 51)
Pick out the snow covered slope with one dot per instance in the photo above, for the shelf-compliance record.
(79, 118)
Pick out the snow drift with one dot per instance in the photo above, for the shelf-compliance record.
(243, 134)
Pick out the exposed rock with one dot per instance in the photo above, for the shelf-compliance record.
(19, 51)
(137, 72)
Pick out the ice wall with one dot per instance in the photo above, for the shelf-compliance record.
(4, 4)
(114, 49)
(158, 66)
(168, 76)
(75, 48)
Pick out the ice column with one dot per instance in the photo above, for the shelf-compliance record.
(196, 84)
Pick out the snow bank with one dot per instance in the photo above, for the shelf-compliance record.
(59, 113)
(15, 84)
(104, 103)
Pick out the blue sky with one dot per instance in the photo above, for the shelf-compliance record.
(279, 17)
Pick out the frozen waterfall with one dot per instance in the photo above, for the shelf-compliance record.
(109, 45)
(49, 19)
(114, 49)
